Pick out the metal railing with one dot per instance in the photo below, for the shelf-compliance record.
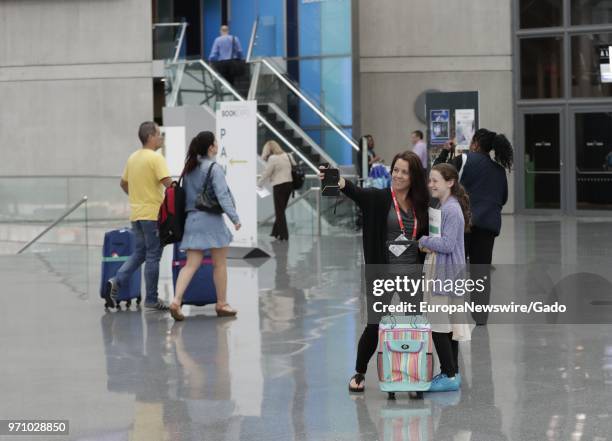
(252, 40)
(57, 221)
(297, 129)
(289, 84)
(177, 85)
(263, 61)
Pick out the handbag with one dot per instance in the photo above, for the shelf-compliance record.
(298, 176)
(204, 201)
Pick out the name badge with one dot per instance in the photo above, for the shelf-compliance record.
(398, 250)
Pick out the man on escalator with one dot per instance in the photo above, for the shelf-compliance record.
(226, 55)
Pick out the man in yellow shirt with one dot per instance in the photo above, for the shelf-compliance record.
(145, 175)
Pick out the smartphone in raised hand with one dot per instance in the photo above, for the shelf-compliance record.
(329, 185)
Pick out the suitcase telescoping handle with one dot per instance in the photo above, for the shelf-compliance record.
(392, 320)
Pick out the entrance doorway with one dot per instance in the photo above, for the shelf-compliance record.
(566, 164)
(592, 173)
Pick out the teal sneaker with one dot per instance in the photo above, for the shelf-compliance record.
(441, 383)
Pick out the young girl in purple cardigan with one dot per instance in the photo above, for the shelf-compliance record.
(447, 253)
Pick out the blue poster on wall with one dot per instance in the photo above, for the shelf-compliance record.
(439, 120)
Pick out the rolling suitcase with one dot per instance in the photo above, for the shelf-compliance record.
(201, 290)
(118, 247)
(405, 355)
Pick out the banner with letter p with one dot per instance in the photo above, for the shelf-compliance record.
(237, 138)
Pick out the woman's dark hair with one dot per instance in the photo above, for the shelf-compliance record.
(418, 194)
(488, 140)
(449, 173)
(367, 139)
(198, 147)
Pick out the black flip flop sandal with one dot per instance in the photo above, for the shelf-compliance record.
(359, 378)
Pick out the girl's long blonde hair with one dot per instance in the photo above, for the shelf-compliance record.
(271, 148)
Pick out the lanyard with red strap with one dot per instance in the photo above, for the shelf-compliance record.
(399, 217)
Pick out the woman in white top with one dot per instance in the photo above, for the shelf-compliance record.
(278, 172)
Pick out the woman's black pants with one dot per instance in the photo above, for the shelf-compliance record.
(479, 249)
(281, 194)
(448, 352)
(366, 347)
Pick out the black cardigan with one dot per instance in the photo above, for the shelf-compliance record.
(375, 204)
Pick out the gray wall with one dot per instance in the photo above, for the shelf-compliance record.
(75, 82)
(407, 47)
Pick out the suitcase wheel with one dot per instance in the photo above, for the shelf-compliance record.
(128, 303)
(416, 395)
(108, 305)
(391, 396)
(118, 306)
(138, 300)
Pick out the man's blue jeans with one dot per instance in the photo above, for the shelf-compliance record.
(147, 250)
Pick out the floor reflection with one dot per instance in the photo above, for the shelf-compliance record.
(279, 371)
(468, 414)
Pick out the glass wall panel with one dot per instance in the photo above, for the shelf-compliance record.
(591, 73)
(594, 161)
(585, 12)
(336, 28)
(211, 23)
(540, 13)
(309, 29)
(328, 83)
(541, 67)
(324, 28)
(310, 85)
(336, 89)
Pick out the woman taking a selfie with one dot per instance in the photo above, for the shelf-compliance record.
(387, 214)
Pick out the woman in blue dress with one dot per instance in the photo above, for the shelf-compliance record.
(204, 230)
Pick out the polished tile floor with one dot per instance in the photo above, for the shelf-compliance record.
(279, 371)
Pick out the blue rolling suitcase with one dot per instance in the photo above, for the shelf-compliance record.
(118, 247)
(201, 290)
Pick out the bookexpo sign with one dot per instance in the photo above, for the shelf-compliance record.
(237, 138)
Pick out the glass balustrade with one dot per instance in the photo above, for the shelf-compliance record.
(196, 83)
(283, 99)
(338, 216)
(44, 199)
(63, 251)
(169, 41)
